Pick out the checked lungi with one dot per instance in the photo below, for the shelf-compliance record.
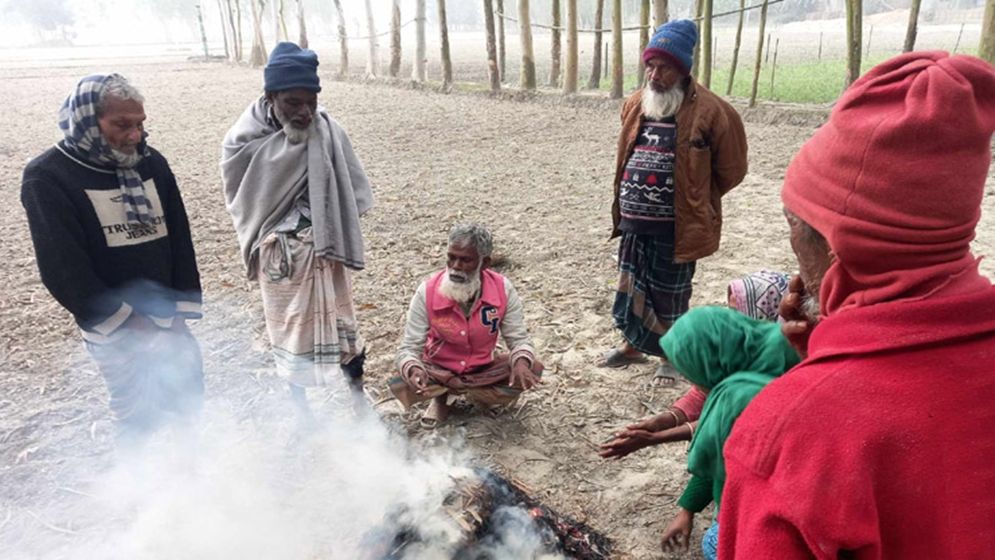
(653, 291)
(309, 311)
(486, 387)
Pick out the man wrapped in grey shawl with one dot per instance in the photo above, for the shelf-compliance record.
(264, 174)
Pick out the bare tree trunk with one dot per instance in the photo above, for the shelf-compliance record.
(699, 5)
(395, 38)
(760, 55)
(343, 40)
(373, 56)
(447, 62)
(910, 33)
(594, 82)
(492, 63)
(257, 57)
(203, 34)
(644, 37)
(661, 13)
(418, 72)
(706, 43)
(735, 48)
(854, 30)
(224, 30)
(283, 23)
(618, 73)
(570, 78)
(528, 72)
(555, 53)
(238, 29)
(500, 38)
(986, 47)
(302, 24)
(276, 20)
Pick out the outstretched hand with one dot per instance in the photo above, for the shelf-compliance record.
(627, 441)
(677, 536)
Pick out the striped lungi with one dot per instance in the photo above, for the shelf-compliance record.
(307, 302)
(653, 290)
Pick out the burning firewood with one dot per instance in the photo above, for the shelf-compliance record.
(471, 506)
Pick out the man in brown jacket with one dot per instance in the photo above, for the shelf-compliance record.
(680, 150)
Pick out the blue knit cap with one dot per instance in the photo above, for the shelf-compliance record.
(674, 41)
(291, 67)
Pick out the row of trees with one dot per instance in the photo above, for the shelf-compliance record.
(652, 13)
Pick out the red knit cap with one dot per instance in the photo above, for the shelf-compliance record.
(894, 180)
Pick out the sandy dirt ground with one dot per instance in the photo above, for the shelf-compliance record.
(538, 172)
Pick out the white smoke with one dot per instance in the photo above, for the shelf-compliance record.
(240, 490)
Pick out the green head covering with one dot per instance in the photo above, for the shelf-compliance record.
(733, 357)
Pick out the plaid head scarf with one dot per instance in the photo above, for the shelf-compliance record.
(78, 121)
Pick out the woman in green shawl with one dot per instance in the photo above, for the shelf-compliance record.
(731, 357)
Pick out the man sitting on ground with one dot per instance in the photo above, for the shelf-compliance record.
(452, 330)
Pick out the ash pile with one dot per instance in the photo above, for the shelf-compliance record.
(489, 518)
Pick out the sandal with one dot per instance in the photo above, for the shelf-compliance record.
(615, 358)
(665, 375)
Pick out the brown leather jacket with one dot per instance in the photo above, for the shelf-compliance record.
(710, 161)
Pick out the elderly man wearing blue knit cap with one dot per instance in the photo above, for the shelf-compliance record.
(296, 191)
(681, 148)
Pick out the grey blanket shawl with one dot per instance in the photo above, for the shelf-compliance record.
(264, 174)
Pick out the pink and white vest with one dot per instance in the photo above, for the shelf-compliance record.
(458, 343)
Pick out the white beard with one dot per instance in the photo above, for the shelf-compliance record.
(810, 308)
(294, 135)
(297, 135)
(460, 292)
(660, 105)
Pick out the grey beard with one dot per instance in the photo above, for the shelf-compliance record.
(810, 308)
(660, 105)
(126, 160)
(464, 292)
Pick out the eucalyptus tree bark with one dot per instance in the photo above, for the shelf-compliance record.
(302, 26)
(528, 72)
(258, 55)
(343, 39)
(618, 73)
(854, 30)
(644, 37)
(735, 48)
(418, 72)
(395, 38)
(661, 12)
(760, 55)
(373, 56)
(910, 33)
(555, 49)
(492, 63)
(447, 62)
(570, 76)
(500, 38)
(594, 82)
(986, 47)
(706, 43)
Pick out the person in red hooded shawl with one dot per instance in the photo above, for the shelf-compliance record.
(881, 444)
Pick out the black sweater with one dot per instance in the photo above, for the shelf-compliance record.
(96, 264)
